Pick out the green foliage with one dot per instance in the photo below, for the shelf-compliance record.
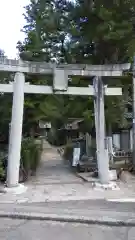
(2, 171)
(106, 30)
(68, 152)
(92, 32)
(30, 158)
(6, 104)
(30, 155)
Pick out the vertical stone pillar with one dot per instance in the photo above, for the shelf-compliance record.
(102, 156)
(16, 131)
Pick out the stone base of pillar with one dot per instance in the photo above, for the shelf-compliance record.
(109, 186)
(19, 189)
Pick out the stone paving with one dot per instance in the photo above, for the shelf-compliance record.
(55, 181)
(65, 192)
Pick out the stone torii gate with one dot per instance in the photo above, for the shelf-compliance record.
(60, 86)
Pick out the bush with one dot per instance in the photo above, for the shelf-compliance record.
(2, 171)
(68, 152)
(30, 155)
(30, 158)
(3, 163)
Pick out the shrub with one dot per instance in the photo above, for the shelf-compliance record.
(30, 155)
(68, 152)
(2, 171)
(3, 164)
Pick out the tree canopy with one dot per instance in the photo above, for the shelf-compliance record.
(90, 31)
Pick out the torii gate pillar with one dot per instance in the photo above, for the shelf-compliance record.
(102, 155)
(16, 131)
